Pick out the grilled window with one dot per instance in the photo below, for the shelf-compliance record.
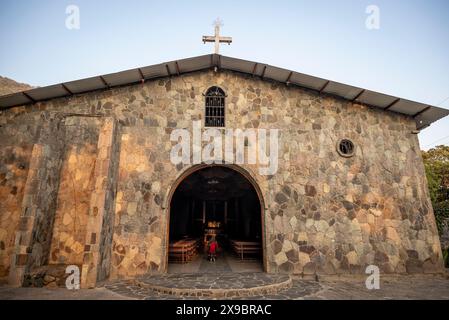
(215, 107)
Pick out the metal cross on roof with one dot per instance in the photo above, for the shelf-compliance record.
(217, 39)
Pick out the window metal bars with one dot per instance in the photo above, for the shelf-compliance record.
(346, 147)
(215, 108)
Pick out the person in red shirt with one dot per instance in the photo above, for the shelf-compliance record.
(213, 246)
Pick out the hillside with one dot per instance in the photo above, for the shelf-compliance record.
(8, 86)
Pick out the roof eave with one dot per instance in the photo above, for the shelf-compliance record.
(423, 114)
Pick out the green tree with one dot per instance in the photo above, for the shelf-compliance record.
(436, 163)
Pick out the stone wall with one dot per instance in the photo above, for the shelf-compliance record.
(140, 224)
(324, 213)
(61, 209)
(32, 237)
(16, 144)
(76, 185)
(100, 228)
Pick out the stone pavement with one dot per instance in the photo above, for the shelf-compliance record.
(392, 287)
(9, 293)
(216, 285)
(298, 290)
(416, 287)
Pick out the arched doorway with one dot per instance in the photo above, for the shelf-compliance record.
(221, 202)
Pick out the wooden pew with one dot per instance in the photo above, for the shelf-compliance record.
(183, 251)
(246, 249)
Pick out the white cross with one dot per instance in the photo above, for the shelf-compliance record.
(217, 39)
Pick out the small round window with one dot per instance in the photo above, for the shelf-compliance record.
(346, 148)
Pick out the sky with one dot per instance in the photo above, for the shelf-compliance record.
(407, 56)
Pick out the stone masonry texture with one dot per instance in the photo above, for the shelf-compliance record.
(86, 180)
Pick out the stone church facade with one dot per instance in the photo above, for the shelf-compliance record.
(87, 180)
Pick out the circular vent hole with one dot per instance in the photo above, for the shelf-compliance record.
(346, 148)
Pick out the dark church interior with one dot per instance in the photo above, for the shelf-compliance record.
(215, 203)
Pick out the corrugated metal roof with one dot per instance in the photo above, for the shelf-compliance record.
(424, 114)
